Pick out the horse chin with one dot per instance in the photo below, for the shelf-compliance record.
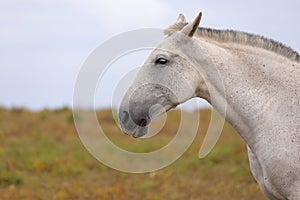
(140, 132)
(132, 129)
(135, 131)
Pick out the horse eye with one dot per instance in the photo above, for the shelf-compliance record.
(161, 61)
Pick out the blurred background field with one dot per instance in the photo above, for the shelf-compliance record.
(42, 157)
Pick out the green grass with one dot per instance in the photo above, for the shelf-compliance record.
(41, 157)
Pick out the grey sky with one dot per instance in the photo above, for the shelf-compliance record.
(44, 43)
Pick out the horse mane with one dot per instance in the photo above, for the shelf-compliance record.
(231, 36)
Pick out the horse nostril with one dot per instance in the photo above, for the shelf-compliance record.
(124, 117)
(143, 122)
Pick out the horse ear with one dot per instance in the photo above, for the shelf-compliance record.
(191, 28)
(180, 23)
(181, 19)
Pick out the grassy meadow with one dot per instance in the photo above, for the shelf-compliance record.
(42, 157)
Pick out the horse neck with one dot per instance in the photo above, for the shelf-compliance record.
(243, 82)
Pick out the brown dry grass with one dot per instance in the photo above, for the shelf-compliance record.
(41, 157)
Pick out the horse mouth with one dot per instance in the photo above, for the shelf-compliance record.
(140, 132)
(137, 132)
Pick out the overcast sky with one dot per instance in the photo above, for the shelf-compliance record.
(43, 43)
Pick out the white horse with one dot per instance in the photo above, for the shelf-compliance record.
(256, 79)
